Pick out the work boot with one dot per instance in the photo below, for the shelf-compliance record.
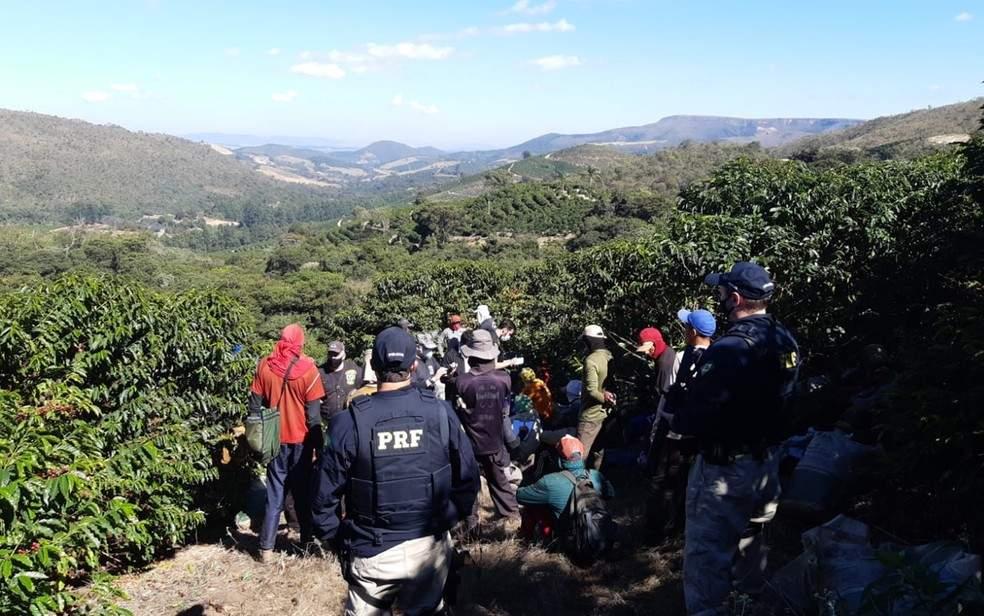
(265, 557)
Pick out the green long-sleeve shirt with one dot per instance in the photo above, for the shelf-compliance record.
(595, 379)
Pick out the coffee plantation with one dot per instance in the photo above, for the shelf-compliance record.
(113, 399)
(116, 395)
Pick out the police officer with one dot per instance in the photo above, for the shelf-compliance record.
(407, 471)
(735, 408)
(340, 377)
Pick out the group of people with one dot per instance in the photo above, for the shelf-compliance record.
(384, 460)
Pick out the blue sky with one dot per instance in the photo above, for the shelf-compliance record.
(479, 73)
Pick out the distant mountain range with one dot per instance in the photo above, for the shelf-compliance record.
(234, 141)
(673, 130)
(50, 166)
(396, 165)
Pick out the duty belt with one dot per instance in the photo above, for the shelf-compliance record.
(722, 454)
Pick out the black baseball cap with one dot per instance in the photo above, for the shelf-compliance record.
(394, 350)
(748, 279)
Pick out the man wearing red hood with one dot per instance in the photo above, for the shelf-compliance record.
(289, 380)
(664, 356)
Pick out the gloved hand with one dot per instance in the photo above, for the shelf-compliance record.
(315, 439)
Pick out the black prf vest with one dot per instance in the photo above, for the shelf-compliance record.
(400, 481)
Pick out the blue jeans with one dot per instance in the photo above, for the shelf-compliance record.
(726, 504)
(290, 470)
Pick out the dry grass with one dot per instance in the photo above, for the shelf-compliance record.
(219, 579)
(504, 578)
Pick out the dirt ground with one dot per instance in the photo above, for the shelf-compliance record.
(504, 578)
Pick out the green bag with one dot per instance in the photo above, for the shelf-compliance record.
(263, 427)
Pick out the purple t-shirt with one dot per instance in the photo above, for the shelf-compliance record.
(486, 396)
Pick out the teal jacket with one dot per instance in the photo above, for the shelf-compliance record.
(554, 489)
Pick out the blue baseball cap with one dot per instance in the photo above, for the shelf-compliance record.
(394, 350)
(701, 320)
(748, 279)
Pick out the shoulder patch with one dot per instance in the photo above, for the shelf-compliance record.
(706, 368)
(350, 377)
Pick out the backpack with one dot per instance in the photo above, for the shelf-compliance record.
(263, 427)
(591, 528)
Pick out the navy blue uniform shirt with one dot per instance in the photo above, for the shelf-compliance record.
(738, 395)
(340, 453)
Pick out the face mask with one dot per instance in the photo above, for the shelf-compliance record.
(505, 337)
(335, 362)
(726, 307)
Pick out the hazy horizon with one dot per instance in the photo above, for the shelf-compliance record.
(454, 77)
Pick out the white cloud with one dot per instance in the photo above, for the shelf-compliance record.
(422, 108)
(345, 56)
(558, 26)
(305, 55)
(468, 32)
(935, 87)
(964, 16)
(335, 64)
(399, 101)
(232, 52)
(352, 61)
(411, 51)
(273, 51)
(318, 69)
(524, 6)
(284, 97)
(557, 62)
(96, 96)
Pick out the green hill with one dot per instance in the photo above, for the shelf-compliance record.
(904, 134)
(55, 170)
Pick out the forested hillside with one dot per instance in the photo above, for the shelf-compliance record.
(59, 171)
(905, 134)
(54, 170)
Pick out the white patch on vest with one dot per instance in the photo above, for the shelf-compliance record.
(400, 439)
(720, 487)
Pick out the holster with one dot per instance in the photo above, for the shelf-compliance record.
(345, 561)
(458, 557)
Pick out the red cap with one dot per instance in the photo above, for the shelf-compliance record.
(651, 334)
(569, 446)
